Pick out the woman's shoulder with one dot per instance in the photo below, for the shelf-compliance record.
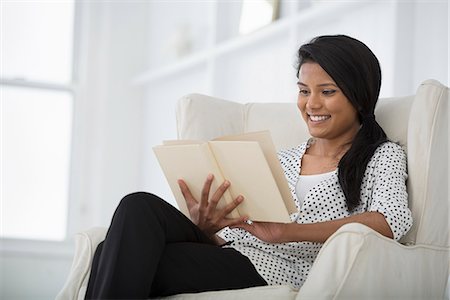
(390, 148)
(293, 151)
(389, 153)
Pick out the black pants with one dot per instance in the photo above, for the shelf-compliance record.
(151, 249)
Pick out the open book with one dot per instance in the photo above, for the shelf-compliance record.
(249, 161)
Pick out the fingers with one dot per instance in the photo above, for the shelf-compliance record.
(190, 200)
(218, 195)
(231, 206)
(208, 208)
(205, 191)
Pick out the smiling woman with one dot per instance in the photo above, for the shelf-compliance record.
(152, 249)
(325, 109)
(353, 68)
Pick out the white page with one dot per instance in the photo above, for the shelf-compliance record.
(192, 163)
(265, 141)
(244, 164)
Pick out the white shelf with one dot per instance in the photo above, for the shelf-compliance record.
(37, 84)
(286, 26)
(223, 48)
(192, 61)
(240, 42)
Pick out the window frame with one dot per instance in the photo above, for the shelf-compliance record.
(50, 248)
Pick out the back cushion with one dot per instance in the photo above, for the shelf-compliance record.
(393, 115)
(201, 117)
(284, 121)
(428, 165)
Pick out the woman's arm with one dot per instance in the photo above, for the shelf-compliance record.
(320, 232)
(388, 211)
(314, 232)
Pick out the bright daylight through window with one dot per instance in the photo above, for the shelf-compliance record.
(36, 94)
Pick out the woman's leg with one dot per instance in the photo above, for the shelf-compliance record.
(126, 263)
(195, 267)
(143, 226)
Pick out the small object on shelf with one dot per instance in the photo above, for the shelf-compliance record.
(180, 43)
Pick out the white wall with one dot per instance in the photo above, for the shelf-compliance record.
(107, 143)
(113, 50)
(29, 275)
(430, 42)
(118, 118)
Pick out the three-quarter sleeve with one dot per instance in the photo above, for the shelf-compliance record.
(229, 234)
(389, 194)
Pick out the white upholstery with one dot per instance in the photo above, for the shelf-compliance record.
(85, 244)
(355, 262)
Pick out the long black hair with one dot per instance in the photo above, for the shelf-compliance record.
(356, 71)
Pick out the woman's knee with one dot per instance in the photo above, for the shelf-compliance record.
(139, 200)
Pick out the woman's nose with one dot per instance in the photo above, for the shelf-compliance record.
(314, 101)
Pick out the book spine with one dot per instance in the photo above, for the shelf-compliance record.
(227, 198)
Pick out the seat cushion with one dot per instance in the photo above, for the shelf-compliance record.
(266, 292)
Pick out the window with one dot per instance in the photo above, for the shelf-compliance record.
(36, 94)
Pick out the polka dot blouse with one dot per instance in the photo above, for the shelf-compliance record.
(383, 190)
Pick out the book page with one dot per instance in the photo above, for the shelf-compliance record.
(265, 141)
(181, 142)
(192, 163)
(244, 164)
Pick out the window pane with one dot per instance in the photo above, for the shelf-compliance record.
(36, 137)
(37, 40)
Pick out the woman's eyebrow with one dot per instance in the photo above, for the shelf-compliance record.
(327, 84)
(319, 85)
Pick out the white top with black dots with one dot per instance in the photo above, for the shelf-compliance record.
(383, 190)
(306, 182)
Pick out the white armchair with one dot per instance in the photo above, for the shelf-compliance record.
(355, 262)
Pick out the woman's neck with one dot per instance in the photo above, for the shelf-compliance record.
(329, 148)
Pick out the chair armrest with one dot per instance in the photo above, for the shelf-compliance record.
(85, 244)
(357, 262)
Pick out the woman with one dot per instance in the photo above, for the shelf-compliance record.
(347, 172)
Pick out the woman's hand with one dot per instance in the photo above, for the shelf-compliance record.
(204, 213)
(266, 231)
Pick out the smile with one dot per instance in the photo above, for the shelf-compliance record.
(318, 118)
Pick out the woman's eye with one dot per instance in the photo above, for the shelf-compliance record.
(303, 92)
(328, 92)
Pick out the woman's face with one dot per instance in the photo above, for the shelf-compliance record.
(324, 107)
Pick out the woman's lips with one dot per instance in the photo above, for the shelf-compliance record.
(319, 118)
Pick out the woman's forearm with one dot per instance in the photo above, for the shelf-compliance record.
(320, 232)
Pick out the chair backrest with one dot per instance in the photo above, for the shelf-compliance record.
(419, 123)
